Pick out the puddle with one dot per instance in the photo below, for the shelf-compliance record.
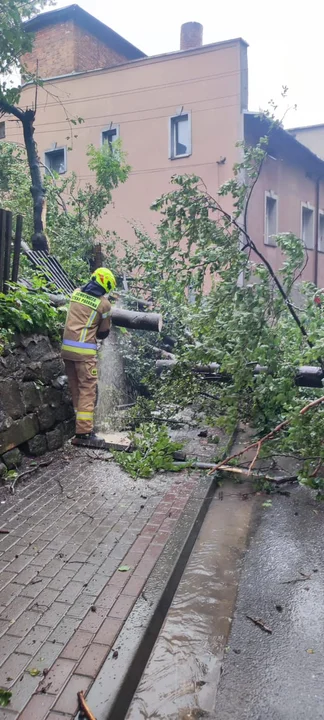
(181, 678)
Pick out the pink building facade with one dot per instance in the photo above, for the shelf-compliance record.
(182, 112)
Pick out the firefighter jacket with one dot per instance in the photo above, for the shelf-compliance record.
(88, 317)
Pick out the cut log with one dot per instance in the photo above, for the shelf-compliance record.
(306, 375)
(133, 320)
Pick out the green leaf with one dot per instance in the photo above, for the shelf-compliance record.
(5, 697)
(34, 672)
(124, 568)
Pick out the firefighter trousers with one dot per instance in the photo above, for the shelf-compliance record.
(82, 377)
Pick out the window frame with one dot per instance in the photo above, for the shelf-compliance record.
(47, 168)
(266, 237)
(310, 208)
(109, 128)
(172, 122)
(320, 247)
(2, 129)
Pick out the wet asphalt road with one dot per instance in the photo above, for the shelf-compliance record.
(279, 676)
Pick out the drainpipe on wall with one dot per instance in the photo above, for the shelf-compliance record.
(317, 201)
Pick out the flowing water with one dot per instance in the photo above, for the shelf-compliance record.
(181, 678)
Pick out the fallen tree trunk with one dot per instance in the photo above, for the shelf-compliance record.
(129, 319)
(306, 375)
(133, 320)
(195, 464)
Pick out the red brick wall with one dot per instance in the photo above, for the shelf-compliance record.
(91, 53)
(65, 48)
(54, 48)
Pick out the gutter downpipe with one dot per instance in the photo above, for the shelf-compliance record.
(318, 180)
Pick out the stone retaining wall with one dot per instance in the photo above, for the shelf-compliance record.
(36, 412)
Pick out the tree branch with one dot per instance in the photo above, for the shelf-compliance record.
(258, 444)
(260, 255)
(5, 107)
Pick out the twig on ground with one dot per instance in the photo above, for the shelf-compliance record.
(258, 444)
(28, 472)
(296, 580)
(101, 457)
(317, 469)
(60, 484)
(4, 532)
(83, 707)
(259, 623)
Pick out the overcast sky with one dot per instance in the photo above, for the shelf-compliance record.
(285, 42)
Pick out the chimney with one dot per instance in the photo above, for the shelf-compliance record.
(191, 36)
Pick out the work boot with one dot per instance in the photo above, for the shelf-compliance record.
(88, 440)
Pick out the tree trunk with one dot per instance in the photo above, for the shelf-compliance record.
(136, 320)
(306, 376)
(39, 239)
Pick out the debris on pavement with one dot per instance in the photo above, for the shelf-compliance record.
(5, 697)
(259, 623)
(83, 707)
(296, 580)
(28, 472)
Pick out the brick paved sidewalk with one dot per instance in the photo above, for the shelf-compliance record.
(63, 600)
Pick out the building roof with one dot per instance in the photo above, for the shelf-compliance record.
(283, 143)
(306, 127)
(82, 18)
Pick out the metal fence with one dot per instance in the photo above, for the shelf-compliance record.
(10, 247)
(51, 269)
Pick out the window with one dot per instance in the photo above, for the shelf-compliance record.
(271, 219)
(109, 135)
(180, 136)
(2, 130)
(321, 232)
(55, 160)
(307, 228)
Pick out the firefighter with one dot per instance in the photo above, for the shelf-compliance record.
(88, 320)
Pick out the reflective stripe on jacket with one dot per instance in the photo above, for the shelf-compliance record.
(87, 315)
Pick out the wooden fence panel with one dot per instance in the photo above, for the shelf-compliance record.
(17, 249)
(8, 240)
(9, 249)
(2, 246)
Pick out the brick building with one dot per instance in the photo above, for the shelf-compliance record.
(180, 112)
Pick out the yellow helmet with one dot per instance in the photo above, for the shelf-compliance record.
(105, 278)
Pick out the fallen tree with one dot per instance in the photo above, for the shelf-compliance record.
(258, 444)
(218, 336)
(305, 376)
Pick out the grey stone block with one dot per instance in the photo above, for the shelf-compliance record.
(32, 371)
(11, 400)
(68, 429)
(31, 396)
(51, 369)
(5, 421)
(37, 347)
(64, 411)
(8, 365)
(12, 459)
(60, 382)
(46, 417)
(51, 397)
(36, 446)
(55, 438)
(19, 432)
